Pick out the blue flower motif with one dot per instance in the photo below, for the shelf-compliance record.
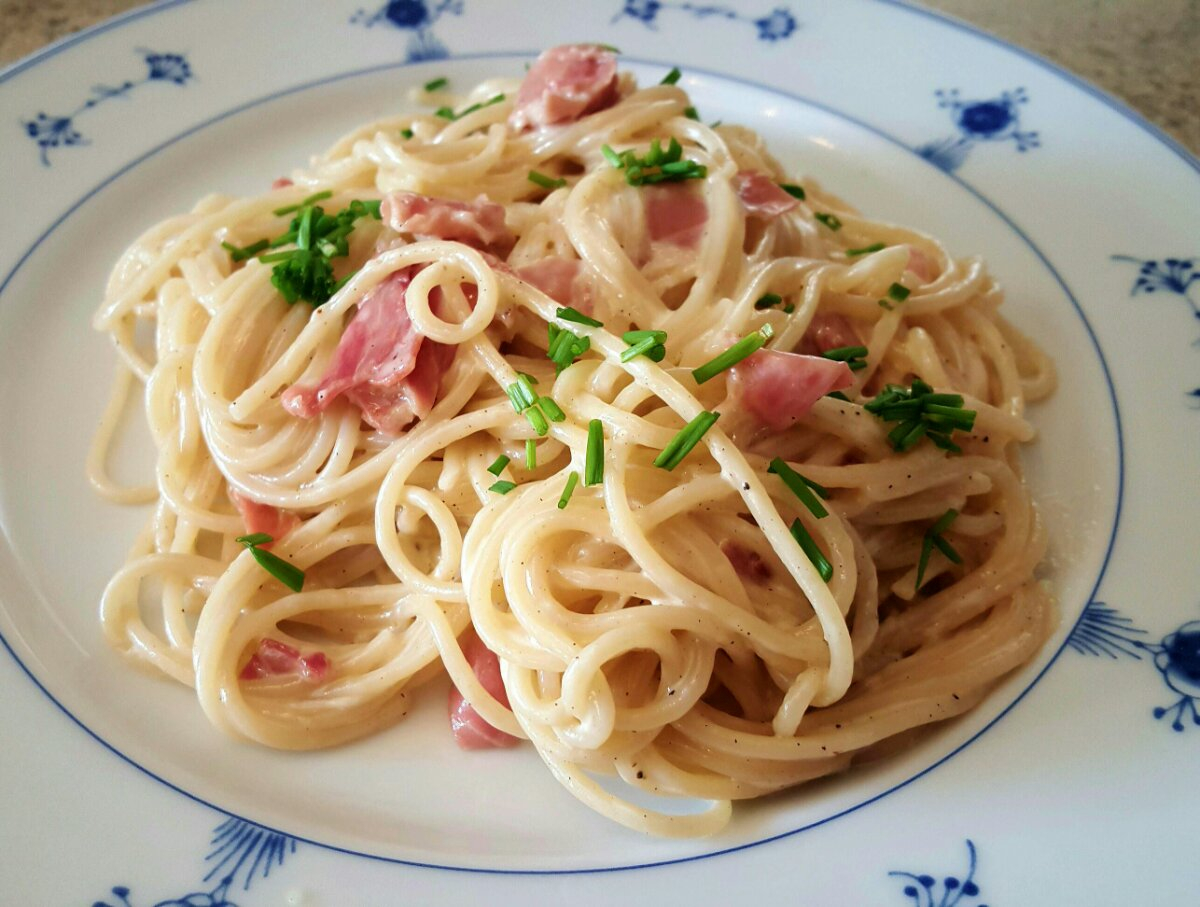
(986, 118)
(774, 26)
(925, 891)
(407, 13)
(1104, 631)
(777, 25)
(645, 10)
(52, 132)
(168, 68)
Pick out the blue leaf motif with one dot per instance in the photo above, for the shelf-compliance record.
(982, 120)
(416, 17)
(925, 891)
(775, 25)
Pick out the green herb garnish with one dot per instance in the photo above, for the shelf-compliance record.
(569, 314)
(572, 481)
(502, 487)
(853, 356)
(530, 453)
(809, 545)
(644, 343)
(866, 250)
(448, 113)
(920, 413)
(800, 487)
(436, 84)
(406, 133)
(546, 182)
(498, 465)
(683, 442)
(672, 77)
(747, 346)
(768, 301)
(933, 539)
(793, 190)
(311, 200)
(830, 220)
(593, 466)
(565, 346)
(241, 254)
(288, 574)
(898, 292)
(659, 165)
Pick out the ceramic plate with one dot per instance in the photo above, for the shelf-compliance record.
(1073, 783)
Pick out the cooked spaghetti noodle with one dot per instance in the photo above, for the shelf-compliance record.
(665, 625)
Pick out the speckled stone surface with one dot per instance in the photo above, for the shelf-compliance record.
(1143, 51)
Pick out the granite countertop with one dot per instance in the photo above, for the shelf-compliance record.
(1144, 53)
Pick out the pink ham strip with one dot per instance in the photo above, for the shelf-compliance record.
(479, 223)
(564, 84)
(559, 279)
(275, 659)
(675, 214)
(746, 562)
(471, 732)
(761, 195)
(382, 365)
(780, 388)
(921, 265)
(281, 183)
(263, 518)
(826, 332)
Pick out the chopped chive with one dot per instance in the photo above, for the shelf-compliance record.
(437, 83)
(572, 481)
(683, 442)
(798, 485)
(809, 545)
(788, 309)
(865, 250)
(933, 538)
(611, 156)
(691, 113)
(406, 133)
(830, 220)
(287, 573)
(821, 490)
(241, 254)
(528, 377)
(535, 418)
(521, 393)
(530, 453)
(258, 538)
(498, 465)
(569, 314)
(887, 305)
(747, 346)
(845, 353)
(838, 395)
(898, 292)
(638, 336)
(502, 487)
(768, 300)
(593, 466)
(642, 347)
(672, 77)
(304, 233)
(565, 347)
(793, 190)
(551, 409)
(315, 197)
(546, 182)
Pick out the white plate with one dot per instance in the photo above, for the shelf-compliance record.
(1068, 785)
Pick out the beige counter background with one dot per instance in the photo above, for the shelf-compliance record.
(1146, 52)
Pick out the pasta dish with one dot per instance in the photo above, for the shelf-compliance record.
(682, 470)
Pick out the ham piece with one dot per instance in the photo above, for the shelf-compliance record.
(780, 388)
(675, 214)
(564, 84)
(263, 518)
(381, 364)
(275, 659)
(921, 264)
(826, 332)
(281, 182)
(559, 278)
(471, 732)
(479, 223)
(760, 195)
(747, 563)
